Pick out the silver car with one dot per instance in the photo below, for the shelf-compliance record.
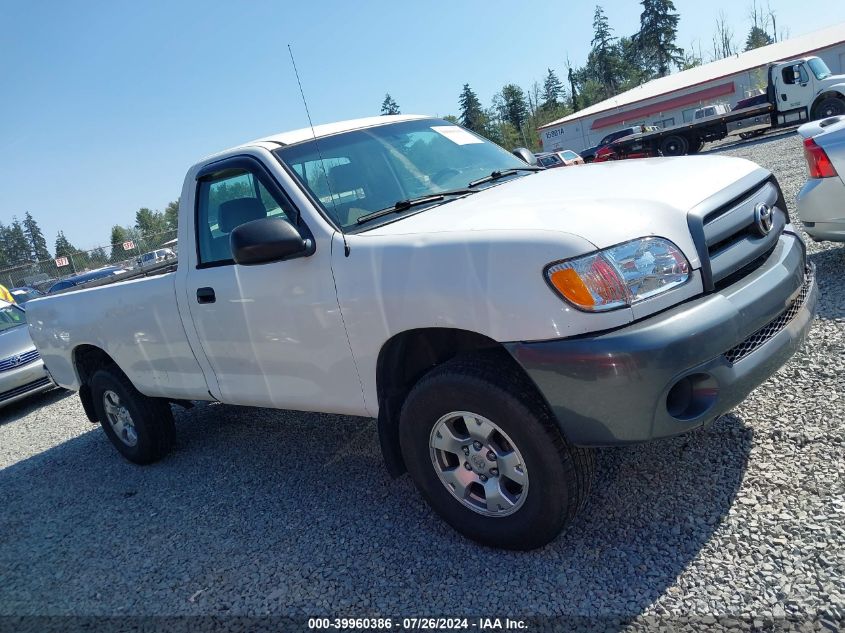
(22, 372)
(821, 203)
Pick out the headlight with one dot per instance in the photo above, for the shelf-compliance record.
(620, 276)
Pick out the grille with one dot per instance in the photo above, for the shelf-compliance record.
(12, 362)
(729, 241)
(18, 391)
(768, 331)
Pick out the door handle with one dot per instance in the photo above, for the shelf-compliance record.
(206, 295)
(783, 96)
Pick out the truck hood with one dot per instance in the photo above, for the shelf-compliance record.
(605, 203)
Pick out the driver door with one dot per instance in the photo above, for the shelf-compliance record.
(272, 333)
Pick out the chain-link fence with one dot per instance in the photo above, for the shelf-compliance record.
(128, 255)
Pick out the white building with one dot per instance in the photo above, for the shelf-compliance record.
(673, 99)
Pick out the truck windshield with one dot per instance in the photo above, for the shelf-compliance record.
(356, 173)
(819, 68)
(11, 316)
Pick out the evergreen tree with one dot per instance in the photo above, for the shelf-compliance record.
(552, 91)
(757, 37)
(472, 115)
(63, 246)
(17, 246)
(389, 106)
(513, 108)
(37, 243)
(4, 233)
(118, 236)
(171, 215)
(603, 60)
(656, 37)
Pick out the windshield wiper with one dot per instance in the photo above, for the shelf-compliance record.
(402, 205)
(501, 174)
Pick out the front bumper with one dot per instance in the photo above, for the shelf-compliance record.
(682, 368)
(24, 381)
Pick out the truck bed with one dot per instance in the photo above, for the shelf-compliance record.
(135, 321)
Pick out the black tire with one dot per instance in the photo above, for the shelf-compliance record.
(560, 474)
(674, 145)
(696, 146)
(831, 106)
(151, 417)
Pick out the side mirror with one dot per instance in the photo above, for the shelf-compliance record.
(796, 74)
(525, 155)
(267, 240)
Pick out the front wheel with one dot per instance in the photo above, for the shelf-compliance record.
(832, 106)
(485, 453)
(140, 428)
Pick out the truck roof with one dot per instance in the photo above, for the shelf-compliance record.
(327, 129)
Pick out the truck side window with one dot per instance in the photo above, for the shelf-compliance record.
(788, 74)
(235, 197)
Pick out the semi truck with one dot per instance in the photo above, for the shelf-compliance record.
(499, 320)
(797, 91)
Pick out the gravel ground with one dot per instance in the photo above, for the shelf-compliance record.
(273, 512)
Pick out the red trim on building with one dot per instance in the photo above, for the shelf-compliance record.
(664, 106)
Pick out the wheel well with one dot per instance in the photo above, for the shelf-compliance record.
(403, 360)
(87, 359)
(826, 95)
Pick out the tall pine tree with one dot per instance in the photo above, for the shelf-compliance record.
(389, 106)
(17, 246)
(552, 91)
(118, 236)
(603, 60)
(657, 34)
(472, 114)
(63, 247)
(514, 108)
(37, 243)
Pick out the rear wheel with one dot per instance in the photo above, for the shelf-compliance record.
(831, 106)
(695, 146)
(674, 145)
(485, 453)
(140, 428)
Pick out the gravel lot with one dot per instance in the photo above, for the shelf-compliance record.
(273, 512)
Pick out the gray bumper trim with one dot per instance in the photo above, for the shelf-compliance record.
(612, 388)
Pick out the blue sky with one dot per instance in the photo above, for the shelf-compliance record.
(105, 104)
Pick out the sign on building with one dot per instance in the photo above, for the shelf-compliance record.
(128, 245)
(61, 261)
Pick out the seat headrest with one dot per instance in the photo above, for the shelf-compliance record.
(344, 178)
(235, 212)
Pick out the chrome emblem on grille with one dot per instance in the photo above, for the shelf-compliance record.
(764, 217)
(16, 360)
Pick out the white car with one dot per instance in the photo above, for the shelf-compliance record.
(22, 372)
(498, 319)
(821, 202)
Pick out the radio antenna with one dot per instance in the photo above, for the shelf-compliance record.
(317, 145)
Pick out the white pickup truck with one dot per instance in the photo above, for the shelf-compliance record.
(498, 319)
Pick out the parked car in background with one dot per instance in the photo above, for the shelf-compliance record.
(550, 160)
(565, 157)
(821, 202)
(711, 110)
(22, 294)
(22, 372)
(589, 154)
(75, 280)
(155, 257)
